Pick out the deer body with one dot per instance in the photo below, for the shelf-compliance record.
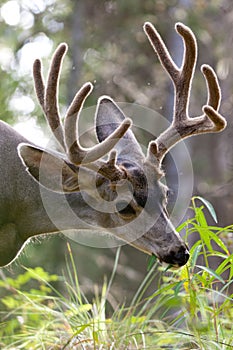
(20, 200)
(44, 191)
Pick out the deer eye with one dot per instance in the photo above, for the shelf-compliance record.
(125, 209)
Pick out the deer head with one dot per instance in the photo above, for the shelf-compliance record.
(128, 181)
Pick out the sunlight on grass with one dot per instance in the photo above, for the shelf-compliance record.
(191, 308)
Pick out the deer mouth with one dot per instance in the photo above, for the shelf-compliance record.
(175, 258)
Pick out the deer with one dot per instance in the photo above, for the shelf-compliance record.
(113, 174)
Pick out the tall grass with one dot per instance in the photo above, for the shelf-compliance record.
(190, 309)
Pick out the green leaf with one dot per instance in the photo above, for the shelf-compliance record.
(209, 206)
(201, 217)
(151, 262)
(10, 302)
(168, 267)
(195, 255)
(164, 290)
(136, 319)
(177, 288)
(225, 265)
(95, 336)
(82, 328)
(204, 234)
(212, 273)
(182, 226)
(218, 241)
(85, 307)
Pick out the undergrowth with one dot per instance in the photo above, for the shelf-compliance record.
(190, 309)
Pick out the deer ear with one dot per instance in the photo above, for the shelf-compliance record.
(108, 118)
(48, 169)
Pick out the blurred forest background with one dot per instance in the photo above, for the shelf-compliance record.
(108, 47)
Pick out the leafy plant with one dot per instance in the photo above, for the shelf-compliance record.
(190, 308)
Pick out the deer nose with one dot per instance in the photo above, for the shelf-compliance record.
(182, 256)
(177, 258)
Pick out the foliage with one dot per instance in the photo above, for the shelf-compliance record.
(96, 34)
(189, 310)
(107, 47)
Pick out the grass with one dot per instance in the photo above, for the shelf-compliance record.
(190, 309)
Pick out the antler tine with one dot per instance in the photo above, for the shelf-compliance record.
(109, 169)
(77, 154)
(214, 92)
(39, 82)
(213, 100)
(161, 50)
(47, 97)
(182, 125)
(70, 123)
(51, 94)
(183, 84)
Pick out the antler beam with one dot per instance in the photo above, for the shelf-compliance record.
(182, 125)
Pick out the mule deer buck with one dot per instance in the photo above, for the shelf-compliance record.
(128, 180)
